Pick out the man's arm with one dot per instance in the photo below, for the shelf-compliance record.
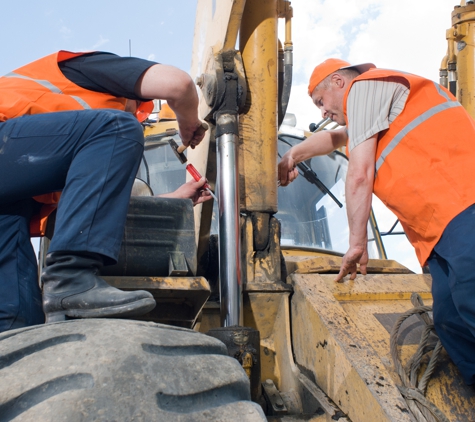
(320, 143)
(177, 88)
(359, 191)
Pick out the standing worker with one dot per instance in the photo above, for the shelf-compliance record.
(411, 143)
(66, 125)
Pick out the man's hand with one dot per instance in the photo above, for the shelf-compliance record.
(192, 135)
(191, 190)
(352, 257)
(286, 169)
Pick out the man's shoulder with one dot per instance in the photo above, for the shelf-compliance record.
(386, 80)
(106, 72)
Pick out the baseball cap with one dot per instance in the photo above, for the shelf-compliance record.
(332, 65)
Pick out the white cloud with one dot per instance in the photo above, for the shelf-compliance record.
(100, 42)
(404, 35)
(151, 57)
(65, 31)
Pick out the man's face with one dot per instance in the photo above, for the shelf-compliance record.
(329, 99)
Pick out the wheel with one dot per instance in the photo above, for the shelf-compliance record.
(119, 370)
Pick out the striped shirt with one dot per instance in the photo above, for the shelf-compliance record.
(372, 105)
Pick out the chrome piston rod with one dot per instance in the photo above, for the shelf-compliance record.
(229, 220)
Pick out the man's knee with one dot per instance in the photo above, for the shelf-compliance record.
(126, 125)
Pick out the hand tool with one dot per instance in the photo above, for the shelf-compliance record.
(178, 149)
(197, 176)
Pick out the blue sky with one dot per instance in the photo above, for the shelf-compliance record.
(159, 30)
(403, 34)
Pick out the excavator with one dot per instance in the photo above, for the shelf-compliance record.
(249, 323)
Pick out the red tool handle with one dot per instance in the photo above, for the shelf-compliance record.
(195, 174)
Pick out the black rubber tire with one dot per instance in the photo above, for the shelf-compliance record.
(119, 370)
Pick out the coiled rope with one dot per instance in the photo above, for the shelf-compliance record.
(413, 390)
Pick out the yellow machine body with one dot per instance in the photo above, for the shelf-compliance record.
(457, 68)
(320, 342)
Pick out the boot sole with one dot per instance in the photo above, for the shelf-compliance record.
(132, 309)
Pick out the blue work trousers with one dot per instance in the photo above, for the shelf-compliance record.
(452, 266)
(91, 156)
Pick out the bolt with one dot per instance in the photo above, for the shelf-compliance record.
(279, 403)
(200, 81)
(269, 382)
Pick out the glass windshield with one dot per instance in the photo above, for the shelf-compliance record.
(160, 167)
(309, 217)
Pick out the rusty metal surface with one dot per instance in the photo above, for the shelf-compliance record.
(340, 333)
(318, 263)
(269, 312)
(336, 334)
(345, 366)
(294, 418)
(275, 403)
(268, 287)
(179, 299)
(380, 287)
(446, 388)
(261, 266)
(243, 343)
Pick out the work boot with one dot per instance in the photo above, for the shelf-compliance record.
(72, 288)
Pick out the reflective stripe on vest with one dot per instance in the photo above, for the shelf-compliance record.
(50, 86)
(416, 122)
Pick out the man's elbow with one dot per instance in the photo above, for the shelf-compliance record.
(185, 89)
(165, 82)
(361, 179)
(339, 138)
(361, 175)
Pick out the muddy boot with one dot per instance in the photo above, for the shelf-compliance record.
(72, 288)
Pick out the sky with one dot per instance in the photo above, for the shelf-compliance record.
(406, 35)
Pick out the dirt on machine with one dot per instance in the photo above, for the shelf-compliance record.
(249, 323)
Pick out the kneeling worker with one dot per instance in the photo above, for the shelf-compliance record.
(66, 125)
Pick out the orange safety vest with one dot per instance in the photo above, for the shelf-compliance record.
(41, 87)
(424, 160)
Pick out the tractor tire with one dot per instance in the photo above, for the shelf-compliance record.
(120, 370)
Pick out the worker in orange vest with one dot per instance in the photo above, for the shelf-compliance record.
(67, 125)
(411, 143)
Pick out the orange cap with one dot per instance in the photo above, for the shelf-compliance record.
(144, 110)
(166, 113)
(332, 65)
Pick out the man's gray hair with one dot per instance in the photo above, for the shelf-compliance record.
(350, 73)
